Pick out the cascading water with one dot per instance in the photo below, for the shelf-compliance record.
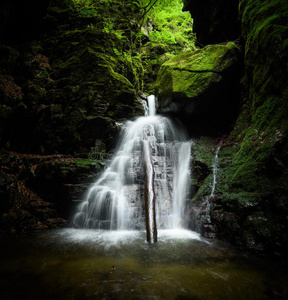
(200, 219)
(181, 182)
(153, 155)
(214, 181)
(215, 167)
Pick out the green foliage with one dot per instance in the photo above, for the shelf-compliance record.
(85, 8)
(116, 21)
(88, 162)
(130, 24)
(171, 25)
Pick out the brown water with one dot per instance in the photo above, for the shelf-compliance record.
(79, 264)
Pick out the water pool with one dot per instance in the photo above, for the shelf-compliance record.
(89, 264)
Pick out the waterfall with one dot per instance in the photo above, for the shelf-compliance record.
(214, 181)
(181, 180)
(150, 210)
(201, 216)
(200, 219)
(215, 167)
(151, 106)
(153, 154)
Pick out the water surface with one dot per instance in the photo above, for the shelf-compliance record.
(89, 264)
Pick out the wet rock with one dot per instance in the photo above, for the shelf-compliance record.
(209, 230)
(253, 182)
(39, 192)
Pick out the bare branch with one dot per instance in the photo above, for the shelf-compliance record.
(147, 9)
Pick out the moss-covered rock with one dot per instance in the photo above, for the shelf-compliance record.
(21, 208)
(85, 67)
(39, 192)
(201, 87)
(264, 27)
(168, 32)
(249, 206)
(251, 209)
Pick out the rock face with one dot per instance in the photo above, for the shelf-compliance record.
(257, 174)
(20, 207)
(78, 75)
(40, 192)
(214, 21)
(250, 204)
(68, 78)
(201, 88)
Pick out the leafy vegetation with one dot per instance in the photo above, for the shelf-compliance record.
(171, 26)
(145, 32)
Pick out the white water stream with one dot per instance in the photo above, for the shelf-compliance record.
(215, 167)
(214, 181)
(116, 199)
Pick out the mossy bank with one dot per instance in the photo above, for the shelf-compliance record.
(250, 209)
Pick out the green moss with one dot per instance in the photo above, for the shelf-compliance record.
(122, 80)
(172, 27)
(210, 58)
(88, 162)
(266, 33)
(253, 184)
(190, 74)
(191, 84)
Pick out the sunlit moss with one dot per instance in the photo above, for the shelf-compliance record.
(190, 73)
(171, 25)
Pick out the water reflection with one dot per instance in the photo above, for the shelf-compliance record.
(87, 264)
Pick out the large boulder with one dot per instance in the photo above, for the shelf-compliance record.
(201, 88)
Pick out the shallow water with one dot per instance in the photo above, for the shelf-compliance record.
(89, 264)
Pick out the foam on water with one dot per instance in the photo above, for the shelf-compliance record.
(109, 238)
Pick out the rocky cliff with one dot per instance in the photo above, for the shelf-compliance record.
(69, 75)
(250, 209)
